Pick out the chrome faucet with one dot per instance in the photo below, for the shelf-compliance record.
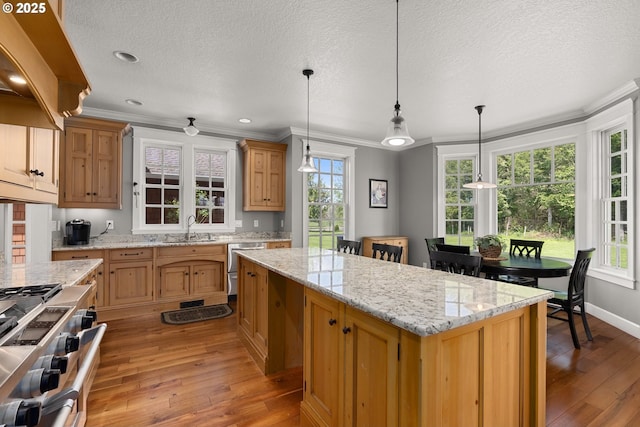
(189, 224)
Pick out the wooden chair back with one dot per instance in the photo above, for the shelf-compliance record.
(392, 252)
(526, 248)
(453, 248)
(349, 246)
(452, 262)
(431, 243)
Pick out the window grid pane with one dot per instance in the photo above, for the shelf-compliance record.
(326, 203)
(162, 192)
(459, 203)
(536, 197)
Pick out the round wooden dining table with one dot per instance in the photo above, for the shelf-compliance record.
(525, 267)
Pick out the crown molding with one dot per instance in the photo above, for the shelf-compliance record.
(617, 95)
(144, 120)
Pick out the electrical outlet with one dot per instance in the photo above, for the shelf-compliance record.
(256, 223)
(282, 223)
(110, 225)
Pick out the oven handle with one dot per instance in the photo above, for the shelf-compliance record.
(59, 401)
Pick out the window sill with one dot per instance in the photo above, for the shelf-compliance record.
(610, 277)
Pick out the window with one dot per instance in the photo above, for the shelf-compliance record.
(177, 176)
(18, 234)
(328, 196)
(536, 197)
(326, 204)
(615, 200)
(459, 212)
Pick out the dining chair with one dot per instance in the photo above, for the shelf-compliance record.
(573, 297)
(523, 248)
(349, 246)
(528, 248)
(392, 252)
(469, 265)
(465, 250)
(431, 243)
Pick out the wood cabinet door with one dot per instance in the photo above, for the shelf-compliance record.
(258, 170)
(173, 280)
(261, 331)
(78, 161)
(130, 282)
(323, 357)
(208, 277)
(14, 155)
(106, 173)
(275, 195)
(371, 371)
(246, 296)
(45, 145)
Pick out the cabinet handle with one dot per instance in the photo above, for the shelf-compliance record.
(346, 330)
(332, 322)
(131, 254)
(80, 256)
(36, 172)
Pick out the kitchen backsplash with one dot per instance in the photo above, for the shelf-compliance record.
(177, 237)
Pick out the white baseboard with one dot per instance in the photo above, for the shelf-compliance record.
(624, 325)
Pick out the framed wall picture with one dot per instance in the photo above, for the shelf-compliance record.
(378, 195)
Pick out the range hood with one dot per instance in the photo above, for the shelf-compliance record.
(35, 47)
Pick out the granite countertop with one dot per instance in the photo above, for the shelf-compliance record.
(420, 300)
(203, 239)
(67, 273)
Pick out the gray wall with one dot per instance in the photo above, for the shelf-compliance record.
(417, 217)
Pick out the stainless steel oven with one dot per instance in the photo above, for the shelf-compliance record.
(232, 262)
(49, 350)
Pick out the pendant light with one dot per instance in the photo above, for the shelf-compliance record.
(479, 184)
(191, 130)
(397, 131)
(307, 164)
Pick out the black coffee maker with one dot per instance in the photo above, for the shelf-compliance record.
(78, 232)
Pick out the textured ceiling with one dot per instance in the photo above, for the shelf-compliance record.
(529, 61)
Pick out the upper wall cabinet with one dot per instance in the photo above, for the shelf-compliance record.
(91, 164)
(264, 176)
(33, 45)
(28, 164)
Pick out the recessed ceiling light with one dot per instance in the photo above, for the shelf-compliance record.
(125, 56)
(18, 80)
(133, 102)
(245, 121)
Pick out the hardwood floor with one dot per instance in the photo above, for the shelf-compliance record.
(200, 374)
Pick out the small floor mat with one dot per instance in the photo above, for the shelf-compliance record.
(196, 314)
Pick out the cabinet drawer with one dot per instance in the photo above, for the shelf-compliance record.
(276, 245)
(177, 251)
(80, 254)
(130, 254)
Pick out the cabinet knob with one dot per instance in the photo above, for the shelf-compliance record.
(95, 194)
(346, 330)
(186, 274)
(332, 322)
(88, 194)
(196, 273)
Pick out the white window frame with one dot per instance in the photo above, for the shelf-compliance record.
(618, 116)
(334, 151)
(188, 145)
(454, 152)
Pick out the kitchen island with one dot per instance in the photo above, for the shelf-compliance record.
(388, 344)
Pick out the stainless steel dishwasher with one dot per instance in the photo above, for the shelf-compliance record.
(232, 262)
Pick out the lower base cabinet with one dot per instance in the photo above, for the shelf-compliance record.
(351, 366)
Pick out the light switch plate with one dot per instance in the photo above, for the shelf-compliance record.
(256, 223)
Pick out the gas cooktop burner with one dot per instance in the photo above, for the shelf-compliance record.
(45, 292)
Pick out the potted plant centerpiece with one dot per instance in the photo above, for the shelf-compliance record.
(489, 246)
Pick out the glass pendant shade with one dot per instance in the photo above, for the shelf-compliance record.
(307, 164)
(191, 130)
(397, 132)
(479, 184)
